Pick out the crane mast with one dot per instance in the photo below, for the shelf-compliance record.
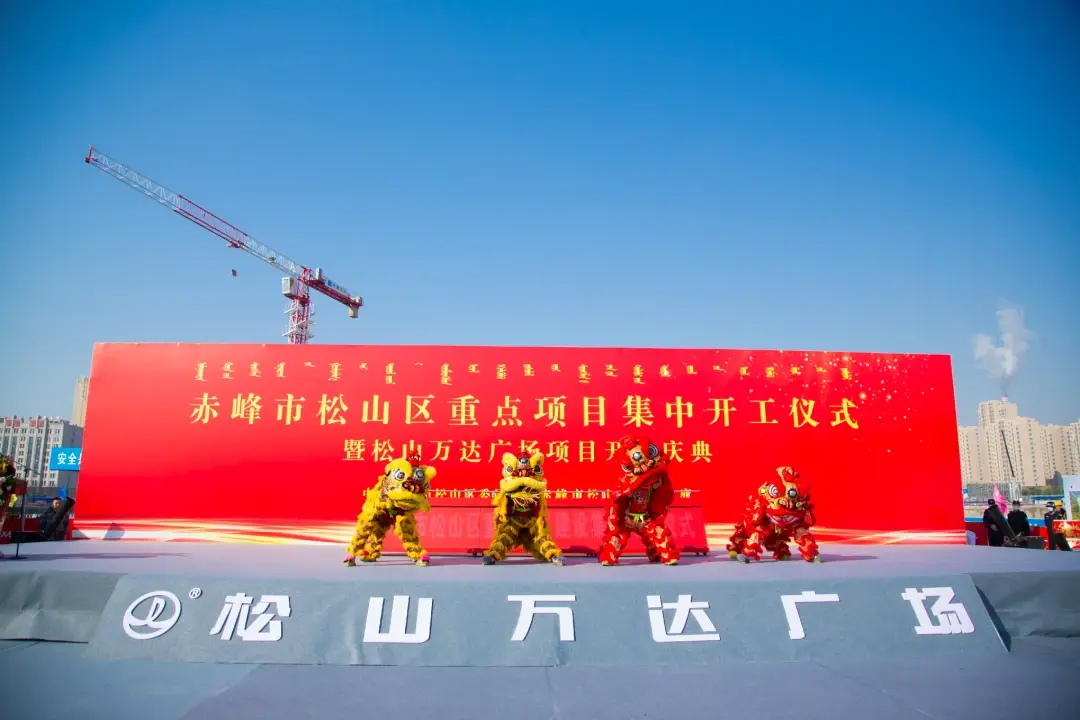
(299, 280)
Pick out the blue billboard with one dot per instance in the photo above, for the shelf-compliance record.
(62, 458)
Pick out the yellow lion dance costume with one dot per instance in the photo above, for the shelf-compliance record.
(393, 503)
(521, 518)
(7, 487)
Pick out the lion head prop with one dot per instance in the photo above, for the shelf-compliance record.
(642, 461)
(787, 493)
(405, 484)
(523, 481)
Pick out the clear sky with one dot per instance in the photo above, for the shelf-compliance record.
(829, 175)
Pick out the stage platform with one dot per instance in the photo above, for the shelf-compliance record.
(60, 590)
(143, 630)
(323, 562)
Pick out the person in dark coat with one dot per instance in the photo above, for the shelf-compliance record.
(1053, 512)
(1018, 520)
(47, 517)
(994, 536)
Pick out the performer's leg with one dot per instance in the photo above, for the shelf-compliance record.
(614, 545)
(651, 551)
(660, 537)
(365, 526)
(529, 546)
(777, 544)
(752, 548)
(808, 546)
(737, 542)
(373, 550)
(542, 546)
(503, 542)
(410, 539)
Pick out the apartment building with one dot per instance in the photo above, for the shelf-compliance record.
(1007, 447)
(29, 441)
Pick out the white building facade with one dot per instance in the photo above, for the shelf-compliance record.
(29, 442)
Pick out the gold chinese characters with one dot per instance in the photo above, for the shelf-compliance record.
(470, 451)
(635, 411)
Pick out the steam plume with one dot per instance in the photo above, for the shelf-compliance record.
(1002, 361)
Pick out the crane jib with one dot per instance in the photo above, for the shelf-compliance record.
(300, 320)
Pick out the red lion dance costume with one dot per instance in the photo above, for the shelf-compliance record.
(640, 505)
(779, 513)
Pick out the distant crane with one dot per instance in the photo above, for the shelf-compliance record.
(1014, 487)
(299, 280)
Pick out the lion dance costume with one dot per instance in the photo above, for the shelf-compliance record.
(640, 505)
(778, 513)
(393, 504)
(7, 487)
(521, 517)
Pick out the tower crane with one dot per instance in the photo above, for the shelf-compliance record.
(299, 281)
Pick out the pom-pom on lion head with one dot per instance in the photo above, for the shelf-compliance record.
(787, 491)
(405, 483)
(523, 478)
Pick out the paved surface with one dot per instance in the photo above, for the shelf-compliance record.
(324, 563)
(52, 681)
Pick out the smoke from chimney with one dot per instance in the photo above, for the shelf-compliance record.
(1002, 361)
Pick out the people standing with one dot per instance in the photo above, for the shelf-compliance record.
(994, 535)
(49, 516)
(1053, 513)
(1018, 520)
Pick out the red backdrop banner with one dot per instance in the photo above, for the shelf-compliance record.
(278, 443)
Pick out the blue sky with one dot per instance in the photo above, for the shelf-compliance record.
(855, 176)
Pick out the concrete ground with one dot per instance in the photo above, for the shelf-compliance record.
(47, 681)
